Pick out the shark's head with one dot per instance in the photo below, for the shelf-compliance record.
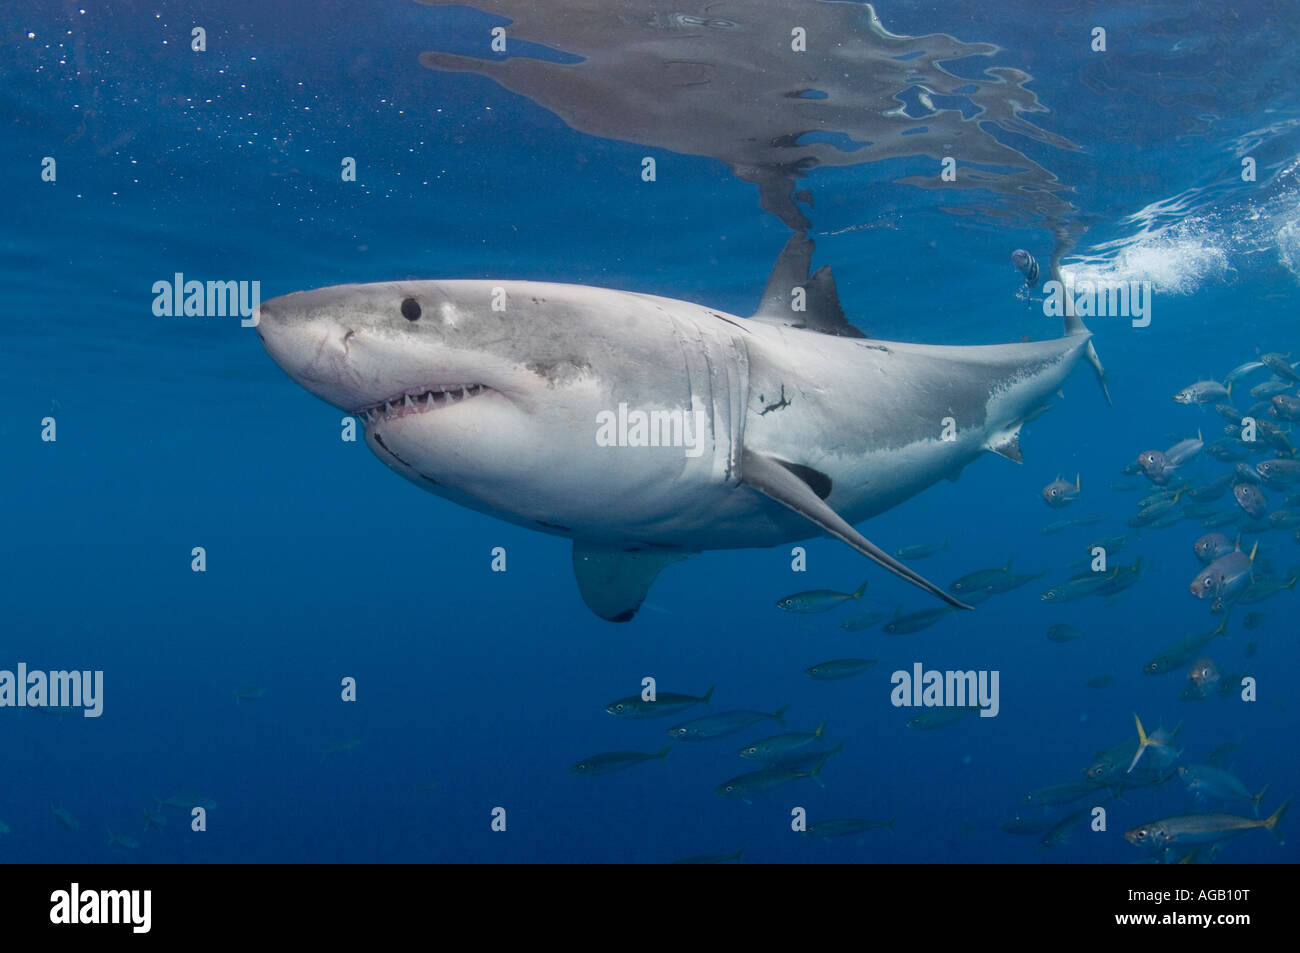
(367, 348)
(453, 383)
(473, 389)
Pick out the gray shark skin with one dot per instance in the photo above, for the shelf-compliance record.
(808, 426)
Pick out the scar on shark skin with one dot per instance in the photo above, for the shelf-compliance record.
(777, 406)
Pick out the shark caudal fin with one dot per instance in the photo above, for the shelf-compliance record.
(1074, 325)
(795, 297)
(776, 481)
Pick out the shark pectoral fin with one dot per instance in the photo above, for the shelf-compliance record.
(1006, 444)
(773, 480)
(614, 581)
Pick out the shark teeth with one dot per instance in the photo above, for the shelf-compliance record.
(420, 401)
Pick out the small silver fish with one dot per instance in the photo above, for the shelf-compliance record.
(818, 600)
(839, 668)
(609, 762)
(1202, 392)
(1060, 492)
(1200, 828)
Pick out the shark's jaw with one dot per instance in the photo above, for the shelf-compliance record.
(421, 400)
(440, 404)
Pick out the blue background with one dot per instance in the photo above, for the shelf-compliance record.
(479, 689)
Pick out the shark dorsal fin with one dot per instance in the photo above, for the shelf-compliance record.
(821, 310)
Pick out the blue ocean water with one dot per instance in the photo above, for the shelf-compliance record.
(478, 690)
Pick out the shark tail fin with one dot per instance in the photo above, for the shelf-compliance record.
(1093, 358)
(1074, 325)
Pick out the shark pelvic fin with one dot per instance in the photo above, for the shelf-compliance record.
(614, 581)
(1006, 444)
(771, 478)
(820, 302)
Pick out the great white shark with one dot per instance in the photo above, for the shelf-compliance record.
(490, 394)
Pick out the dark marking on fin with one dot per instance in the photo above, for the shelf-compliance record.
(818, 482)
(769, 477)
(563, 529)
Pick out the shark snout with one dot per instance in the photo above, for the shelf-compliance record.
(314, 351)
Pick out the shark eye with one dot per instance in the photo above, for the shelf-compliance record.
(411, 309)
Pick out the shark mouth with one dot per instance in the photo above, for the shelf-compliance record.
(421, 402)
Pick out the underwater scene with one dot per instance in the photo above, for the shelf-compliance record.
(650, 431)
